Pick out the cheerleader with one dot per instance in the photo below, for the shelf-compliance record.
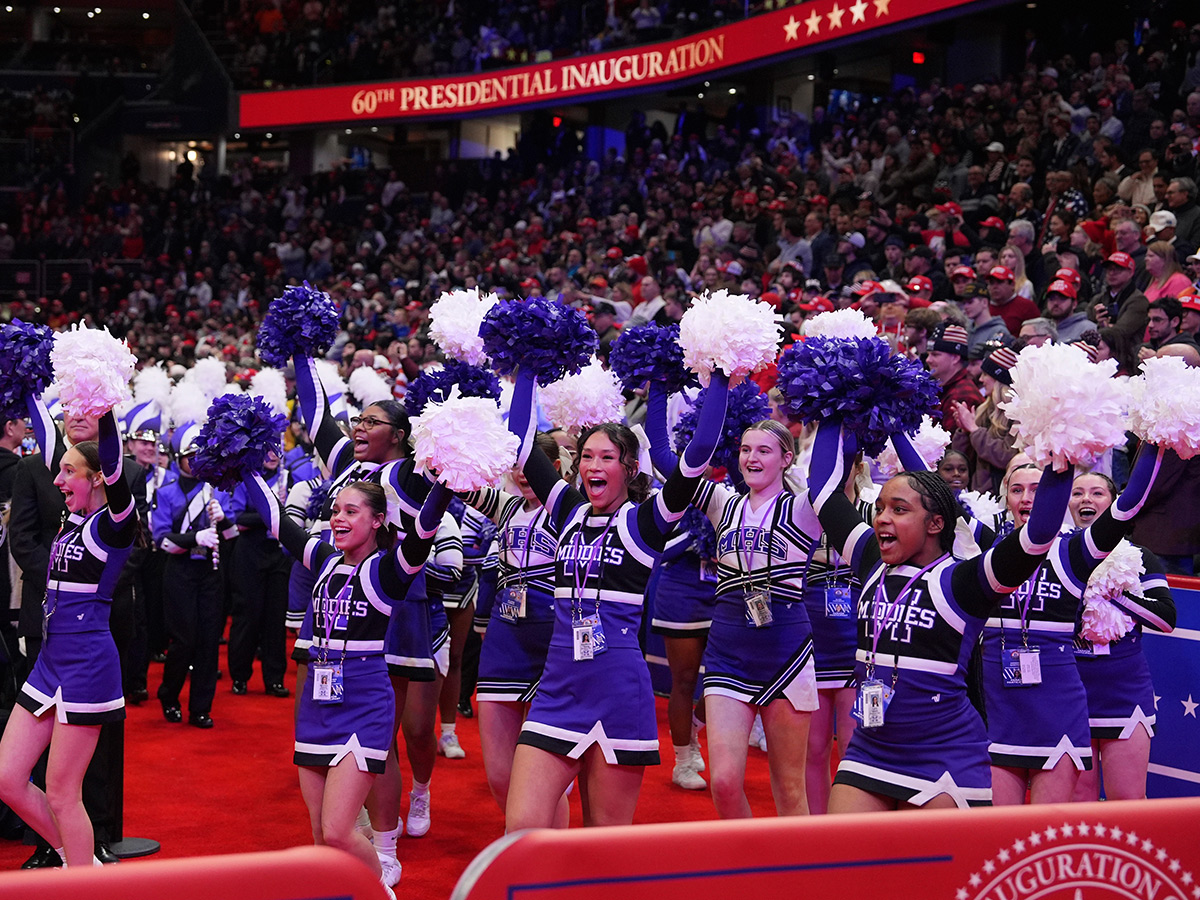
(593, 715)
(260, 572)
(77, 675)
(346, 724)
(1037, 708)
(919, 743)
(1120, 695)
(519, 622)
(684, 587)
(188, 523)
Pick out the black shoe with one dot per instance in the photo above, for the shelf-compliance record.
(200, 720)
(239, 687)
(171, 712)
(277, 690)
(464, 710)
(105, 855)
(158, 658)
(44, 858)
(138, 695)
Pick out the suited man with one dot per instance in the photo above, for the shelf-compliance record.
(36, 516)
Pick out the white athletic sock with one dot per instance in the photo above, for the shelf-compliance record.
(363, 822)
(385, 842)
(447, 728)
(697, 725)
(683, 754)
(421, 789)
(62, 854)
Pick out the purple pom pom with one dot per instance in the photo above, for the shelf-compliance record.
(303, 321)
(873, 391)
(700, 530)
(235, 440)
(650, 353)
(435, 385)
(542, 335)
(25, 366)
(747, 405)
(316, 500)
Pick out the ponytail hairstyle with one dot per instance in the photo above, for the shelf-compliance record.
(938, 500)
(90, 451)
(628, 449)
(376, 500)
(547, 444)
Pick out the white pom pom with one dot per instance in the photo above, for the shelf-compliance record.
(270, 384)
(152, 383)
(1119, 573)
(331, 379)
(930, 442)
(93, 369)
(580, 401)
(368, 386)
(1065, 409)
(188, 404)
(1165, 407)
(729, 332)
(454, 321)
(210, 375)
(465, 441)
(840, 323)
(983, 507)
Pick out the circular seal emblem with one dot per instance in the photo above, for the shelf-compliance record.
(1081, 861)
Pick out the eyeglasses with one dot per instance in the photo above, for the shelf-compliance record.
(369, 422)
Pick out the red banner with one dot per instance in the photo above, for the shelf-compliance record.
(584, 77)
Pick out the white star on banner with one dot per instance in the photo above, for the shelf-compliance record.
(1035, 838)
(813, 22)
(975, 880)
(1019, 846)
(1051, 833)
(791, 30)
(1004, 856)
(835, 21)
(858, 12)
(1099, 830)
(1083, 828)
(1068, 830)
(1189, 707)
(881, 7)
(962, 894)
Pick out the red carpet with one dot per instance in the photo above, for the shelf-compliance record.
(233, 790)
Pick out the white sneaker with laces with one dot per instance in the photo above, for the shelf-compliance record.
(391, 870)
(449, 747)
(417, 823)
(686, 777)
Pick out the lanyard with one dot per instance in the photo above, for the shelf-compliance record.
(1022, 613)
(772, 513)
(331, 618)
(524, 564)
(64, 536)
(889, 609)
(580, 584)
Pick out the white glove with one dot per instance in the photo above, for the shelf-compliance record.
(215, 513)
(208, 538)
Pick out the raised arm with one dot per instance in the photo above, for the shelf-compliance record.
(45, 430)
(661, 453)
(912, 461)
(659, 513)
(311, 551)
(414, 549)
(118, 526)
(539, 471)
(982, 580)
(852, 538)
(331, 444)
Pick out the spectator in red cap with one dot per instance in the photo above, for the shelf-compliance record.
(1119, 303)
(960, 277)
(920, 291)
(947, 362)
(1062, 308)
(1005, 302)
(1189, 300)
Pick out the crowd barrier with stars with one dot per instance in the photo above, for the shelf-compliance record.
(1175, 667)
(1142, 850)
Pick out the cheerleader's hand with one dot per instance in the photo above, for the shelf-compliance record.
(215, 513)
(208, 538)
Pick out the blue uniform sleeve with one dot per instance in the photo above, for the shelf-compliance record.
(117, 528)
(661, 454)
(1156, 608)
(489, 576)
(851, 537)
(538, 470)
(45, 430)
(333, 447)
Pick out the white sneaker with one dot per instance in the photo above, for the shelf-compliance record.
(391, 870)
(758, 737)
(449, 747)
(387, 891)
(686, 777)
(417, 823)
(697, 758)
